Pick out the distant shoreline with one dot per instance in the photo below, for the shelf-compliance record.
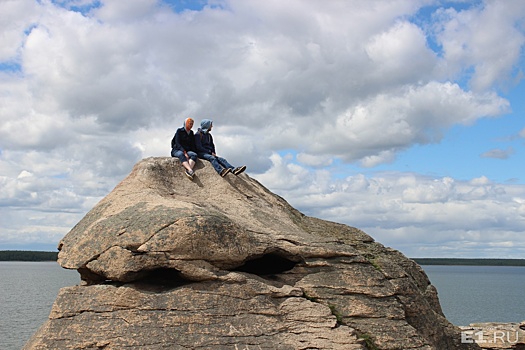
(469, 262)
(30, 255)
(27, 255)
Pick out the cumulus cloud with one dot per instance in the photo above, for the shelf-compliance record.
(121, 69)
(315, 161)
(486, 40)
(297, 91)
(415, 213)
(16, 17)
(377, 128)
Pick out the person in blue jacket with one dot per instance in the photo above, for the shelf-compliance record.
(183, 147)
(206, 150)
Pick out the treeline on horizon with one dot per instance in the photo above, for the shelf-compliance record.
(470, 262)
(27, 255)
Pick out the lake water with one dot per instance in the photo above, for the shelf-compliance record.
(467, 294)
(27, 292)
(470, 294)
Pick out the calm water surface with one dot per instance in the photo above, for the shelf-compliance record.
(467, 294)
(470, 294)
(27, 292)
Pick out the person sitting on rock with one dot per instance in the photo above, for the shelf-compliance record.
(183, 147)
(206, 150)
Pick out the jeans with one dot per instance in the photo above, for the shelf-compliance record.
(180, 154)
(218, 163)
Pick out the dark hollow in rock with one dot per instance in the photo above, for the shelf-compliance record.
(163, 277)
(268, 264)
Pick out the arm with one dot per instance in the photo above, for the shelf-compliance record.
(176, 141)
(173, 141)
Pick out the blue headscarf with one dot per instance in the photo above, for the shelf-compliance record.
(206, 125)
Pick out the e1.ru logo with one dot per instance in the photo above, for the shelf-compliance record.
(498, 336)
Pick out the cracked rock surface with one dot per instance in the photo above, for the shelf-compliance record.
(223, 263)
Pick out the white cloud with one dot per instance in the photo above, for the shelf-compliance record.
(400, 55)
(437, 191)
(315, 161)
(130, 10)
(16, 17)
(284, 175)
(330, 83)
(375, 129)
(411, 211)
(486, 39)
(384, 156)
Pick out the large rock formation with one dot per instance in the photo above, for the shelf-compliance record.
(223, 263)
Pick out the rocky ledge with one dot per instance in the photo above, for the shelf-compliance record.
(223, 263)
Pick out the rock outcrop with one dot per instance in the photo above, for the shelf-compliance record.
(223, 263)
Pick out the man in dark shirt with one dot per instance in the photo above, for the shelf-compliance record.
(183, 147)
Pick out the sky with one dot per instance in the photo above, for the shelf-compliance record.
(403, 118)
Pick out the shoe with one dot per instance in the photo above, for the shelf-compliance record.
(189, 174)
(239, 170)
(225, 171)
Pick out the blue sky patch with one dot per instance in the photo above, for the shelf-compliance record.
(184, 5)
(10, 66)
(73, 5)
